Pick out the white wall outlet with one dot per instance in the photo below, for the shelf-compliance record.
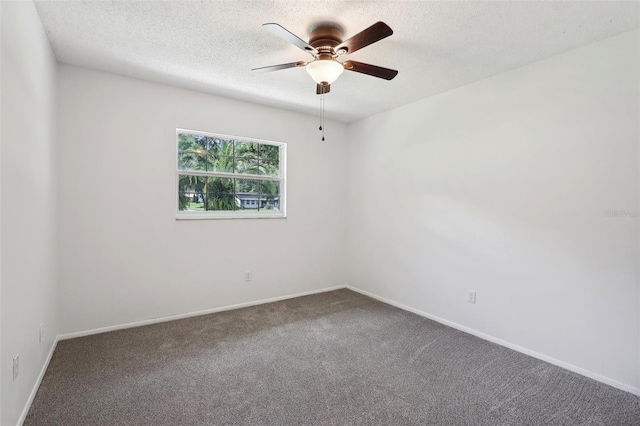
(472, 296)
(247, 276)
(41, 332)
(16, 366)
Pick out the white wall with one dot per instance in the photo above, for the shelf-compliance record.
(124, 257)
(1, 361)
(28, 224)
(501, 187)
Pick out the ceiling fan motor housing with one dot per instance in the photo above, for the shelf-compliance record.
(324, 39)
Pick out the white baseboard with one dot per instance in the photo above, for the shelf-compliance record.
(550, 360)
(192, 314)
(36, 386)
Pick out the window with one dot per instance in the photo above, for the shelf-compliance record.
(222, 176)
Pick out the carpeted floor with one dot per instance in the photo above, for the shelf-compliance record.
(333, 359)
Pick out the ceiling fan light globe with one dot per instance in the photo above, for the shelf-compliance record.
(325, 71)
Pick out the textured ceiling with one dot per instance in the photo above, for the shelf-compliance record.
(211, 46)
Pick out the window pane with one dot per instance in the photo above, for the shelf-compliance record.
(191, 152)
(247, 165)
(247, 194)
(190, 193)
(269, 195)
(269, 152)
(246, 149)
(219, 194)
(219, 146)
(269, 168)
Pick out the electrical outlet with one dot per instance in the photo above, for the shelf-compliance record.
(247, 276)
(16, 366)
(41, 332)
(472, 296)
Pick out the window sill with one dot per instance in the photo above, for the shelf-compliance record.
(204, 216)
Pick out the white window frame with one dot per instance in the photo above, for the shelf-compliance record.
(234, 214)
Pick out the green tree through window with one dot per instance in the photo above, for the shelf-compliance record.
(217, 173)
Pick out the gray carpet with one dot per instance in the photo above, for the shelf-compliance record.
(333, 359)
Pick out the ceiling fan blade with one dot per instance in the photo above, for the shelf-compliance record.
(374, 70)
(322, 88)
(374, 33)
(290, 37)
(281, 66)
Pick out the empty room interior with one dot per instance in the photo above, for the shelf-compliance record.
(319, 213)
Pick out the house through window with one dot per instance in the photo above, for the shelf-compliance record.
(221, 176)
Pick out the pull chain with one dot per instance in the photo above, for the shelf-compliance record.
(323, 117)
(322, 114)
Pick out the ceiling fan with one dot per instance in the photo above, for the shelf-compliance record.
(326, 46)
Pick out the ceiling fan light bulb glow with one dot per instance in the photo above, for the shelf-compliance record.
(325, 71)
